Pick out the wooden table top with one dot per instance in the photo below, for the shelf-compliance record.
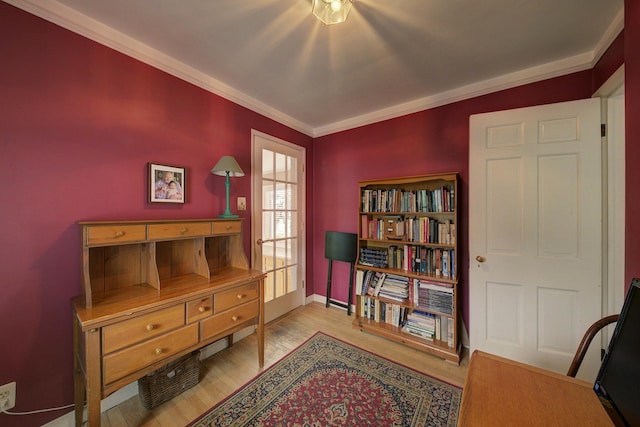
(503, 392)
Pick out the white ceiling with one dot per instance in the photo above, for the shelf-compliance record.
(391, 57)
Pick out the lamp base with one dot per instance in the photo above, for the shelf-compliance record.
(227, 216)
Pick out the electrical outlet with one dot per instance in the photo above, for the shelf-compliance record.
(8, 396)
(242, 204)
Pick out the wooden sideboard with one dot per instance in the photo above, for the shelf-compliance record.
(155, 291)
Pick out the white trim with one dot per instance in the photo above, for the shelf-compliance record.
(508, 81)
(70, 19)
(259, 140)
(612, 95)
(92, 29)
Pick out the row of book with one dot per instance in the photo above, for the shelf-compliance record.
(397, 200)
(435, 296)
(412, 229)
(430, 326)
(425, 294)
(383, 312)
(435, 262)
(374, 257)
(379, 284)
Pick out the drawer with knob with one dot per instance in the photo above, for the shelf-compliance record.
(128, 332)
(199, 309)
(115, 234)
(178, 230)
(227, 227)
(240, 295)
(122, 363)
(219, 323)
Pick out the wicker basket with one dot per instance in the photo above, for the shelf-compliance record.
(169, 381)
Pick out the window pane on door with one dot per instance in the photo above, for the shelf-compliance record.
(279, 222)
(268, 256)
(292, 168)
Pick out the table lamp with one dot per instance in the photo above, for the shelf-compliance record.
(227, 166)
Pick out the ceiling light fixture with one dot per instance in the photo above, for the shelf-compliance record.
(331, 11)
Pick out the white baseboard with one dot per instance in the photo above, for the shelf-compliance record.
(131, 389)
(323, 300)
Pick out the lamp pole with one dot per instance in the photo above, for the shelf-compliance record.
(227, 212)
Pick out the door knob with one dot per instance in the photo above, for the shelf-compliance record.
(480, 258)
(259, 242)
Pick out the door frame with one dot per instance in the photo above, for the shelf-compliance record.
(613, 209)
(257, 215)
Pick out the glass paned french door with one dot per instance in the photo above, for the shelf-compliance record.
(278, 222)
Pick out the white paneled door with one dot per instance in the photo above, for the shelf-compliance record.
(278, 222)
(535, 232)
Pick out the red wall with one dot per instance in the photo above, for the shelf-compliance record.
(431, 141)
(78, 124)
(632, 137)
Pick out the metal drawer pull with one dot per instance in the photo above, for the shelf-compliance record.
(202, 309)
(150, 327)
(240, 296)
(184, 230)
(234, 318)
(119, 234)
(228, 227)
(159, 351)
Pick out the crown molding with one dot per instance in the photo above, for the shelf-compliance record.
(550, 70)
(615, 28)
(507, 81)
(92, 29)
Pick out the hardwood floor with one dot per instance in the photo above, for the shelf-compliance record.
(228, 370)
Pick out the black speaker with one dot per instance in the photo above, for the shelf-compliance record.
(341, 246)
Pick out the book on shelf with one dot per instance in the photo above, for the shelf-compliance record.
(444, 328)
(394, 257)
(417, 332)
(359, 279)
(363, 281)
(397, 200)
(395, 287)
(376, 285)
(372, 281)
(373, 257)
(430, 326)
(451, 332)
(364, 227)
(382, 311)
(434, 296)
(420, 323)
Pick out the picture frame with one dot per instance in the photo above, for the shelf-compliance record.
(166, 184)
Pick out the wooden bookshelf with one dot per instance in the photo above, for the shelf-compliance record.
(407, 266)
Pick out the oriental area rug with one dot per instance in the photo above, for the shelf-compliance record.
(328, 382)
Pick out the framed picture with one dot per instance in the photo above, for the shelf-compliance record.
(166, 184)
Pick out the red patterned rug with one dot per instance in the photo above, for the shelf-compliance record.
(328, 382)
